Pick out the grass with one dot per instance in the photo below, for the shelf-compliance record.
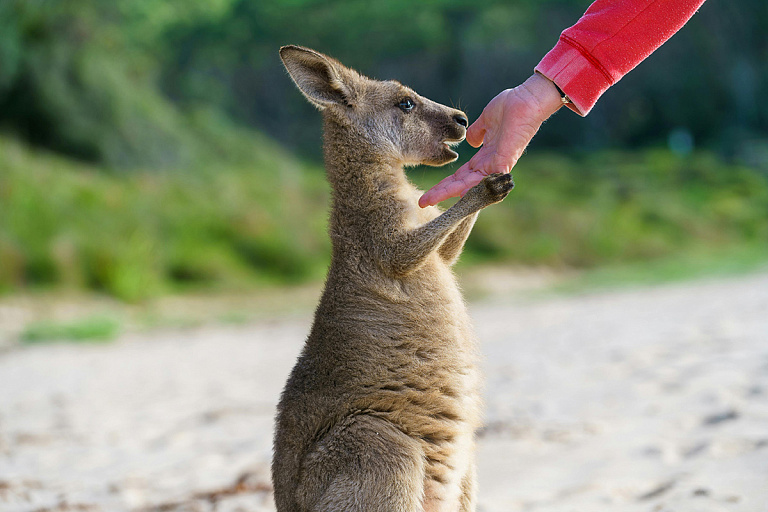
(251, 215)
(609, 209)
(137, 235)
(89, 329)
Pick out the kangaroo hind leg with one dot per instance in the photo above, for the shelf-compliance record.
(364, 464)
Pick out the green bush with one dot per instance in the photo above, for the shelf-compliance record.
(261, 218)
(140, 234)
(74, 79)
(612, 207)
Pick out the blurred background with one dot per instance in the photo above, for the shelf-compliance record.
(154, 147)
(159, 171)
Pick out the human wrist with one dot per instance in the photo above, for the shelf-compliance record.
(545, 93)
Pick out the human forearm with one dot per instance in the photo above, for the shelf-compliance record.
(607, 42)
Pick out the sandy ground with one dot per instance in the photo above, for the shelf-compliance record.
(643, 400)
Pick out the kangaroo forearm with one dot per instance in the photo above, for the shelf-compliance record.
(452, 246)
(411, 249)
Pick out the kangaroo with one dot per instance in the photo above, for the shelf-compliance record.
(379, 412)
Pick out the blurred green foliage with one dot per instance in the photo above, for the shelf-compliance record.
(706, 81)
(613, 207)
(89, 329)
(140, 234)
(84, 76)
(233, 226)
(71, 81)
(138, 153)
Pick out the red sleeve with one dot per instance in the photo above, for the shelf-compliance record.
(607, 42)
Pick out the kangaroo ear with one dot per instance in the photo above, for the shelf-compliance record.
(323, 80)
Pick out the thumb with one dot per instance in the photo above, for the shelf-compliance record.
(476, 132)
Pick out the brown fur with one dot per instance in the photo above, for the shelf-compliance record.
(380, 411)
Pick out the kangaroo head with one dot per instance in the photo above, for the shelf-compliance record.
(391, 120)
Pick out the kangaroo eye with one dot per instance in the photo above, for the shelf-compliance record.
(406, 104)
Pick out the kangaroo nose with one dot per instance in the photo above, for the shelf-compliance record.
(461, 119)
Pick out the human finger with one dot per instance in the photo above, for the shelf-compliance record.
(451, 186)
(448, 187)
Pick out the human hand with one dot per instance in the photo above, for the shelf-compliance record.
(504, 129)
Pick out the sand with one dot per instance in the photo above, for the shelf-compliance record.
(651, 399)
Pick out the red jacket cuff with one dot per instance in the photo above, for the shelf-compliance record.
(577, 74)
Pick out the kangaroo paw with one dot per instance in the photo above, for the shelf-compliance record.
(498, 186)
